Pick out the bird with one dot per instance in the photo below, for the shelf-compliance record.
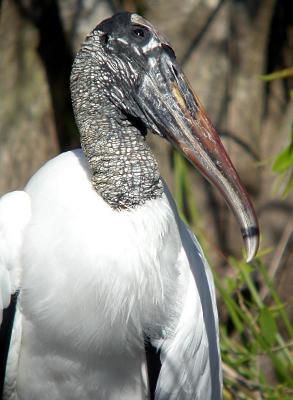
(94, 258)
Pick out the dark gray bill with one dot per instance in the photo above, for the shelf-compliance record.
(174, 111)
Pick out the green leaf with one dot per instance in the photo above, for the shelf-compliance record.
(267, 325)
(283, 160)
(289, 185)
(282, 74)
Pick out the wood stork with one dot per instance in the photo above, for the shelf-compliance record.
(94, 244)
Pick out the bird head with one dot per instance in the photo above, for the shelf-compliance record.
(134, 66)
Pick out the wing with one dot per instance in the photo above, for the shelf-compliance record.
(191, 366)
(14, 216)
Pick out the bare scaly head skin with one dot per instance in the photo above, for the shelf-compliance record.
(125, 80)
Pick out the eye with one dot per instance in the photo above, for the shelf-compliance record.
(139, 32)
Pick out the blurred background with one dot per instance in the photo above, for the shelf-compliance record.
(238, 56)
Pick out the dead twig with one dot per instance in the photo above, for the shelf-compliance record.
(277, 257)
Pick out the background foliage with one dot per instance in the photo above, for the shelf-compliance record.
(238, 56)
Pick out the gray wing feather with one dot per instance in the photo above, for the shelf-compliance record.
(191, 365)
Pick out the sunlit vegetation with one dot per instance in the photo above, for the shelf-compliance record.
(256, 334)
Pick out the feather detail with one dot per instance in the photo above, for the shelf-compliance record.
(94, 282)
(14, 216)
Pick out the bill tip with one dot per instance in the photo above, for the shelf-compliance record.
(251, 238)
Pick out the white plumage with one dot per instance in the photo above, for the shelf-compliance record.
(95, 246)
(92, 280)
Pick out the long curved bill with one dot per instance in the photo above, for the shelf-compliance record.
(175, 112)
